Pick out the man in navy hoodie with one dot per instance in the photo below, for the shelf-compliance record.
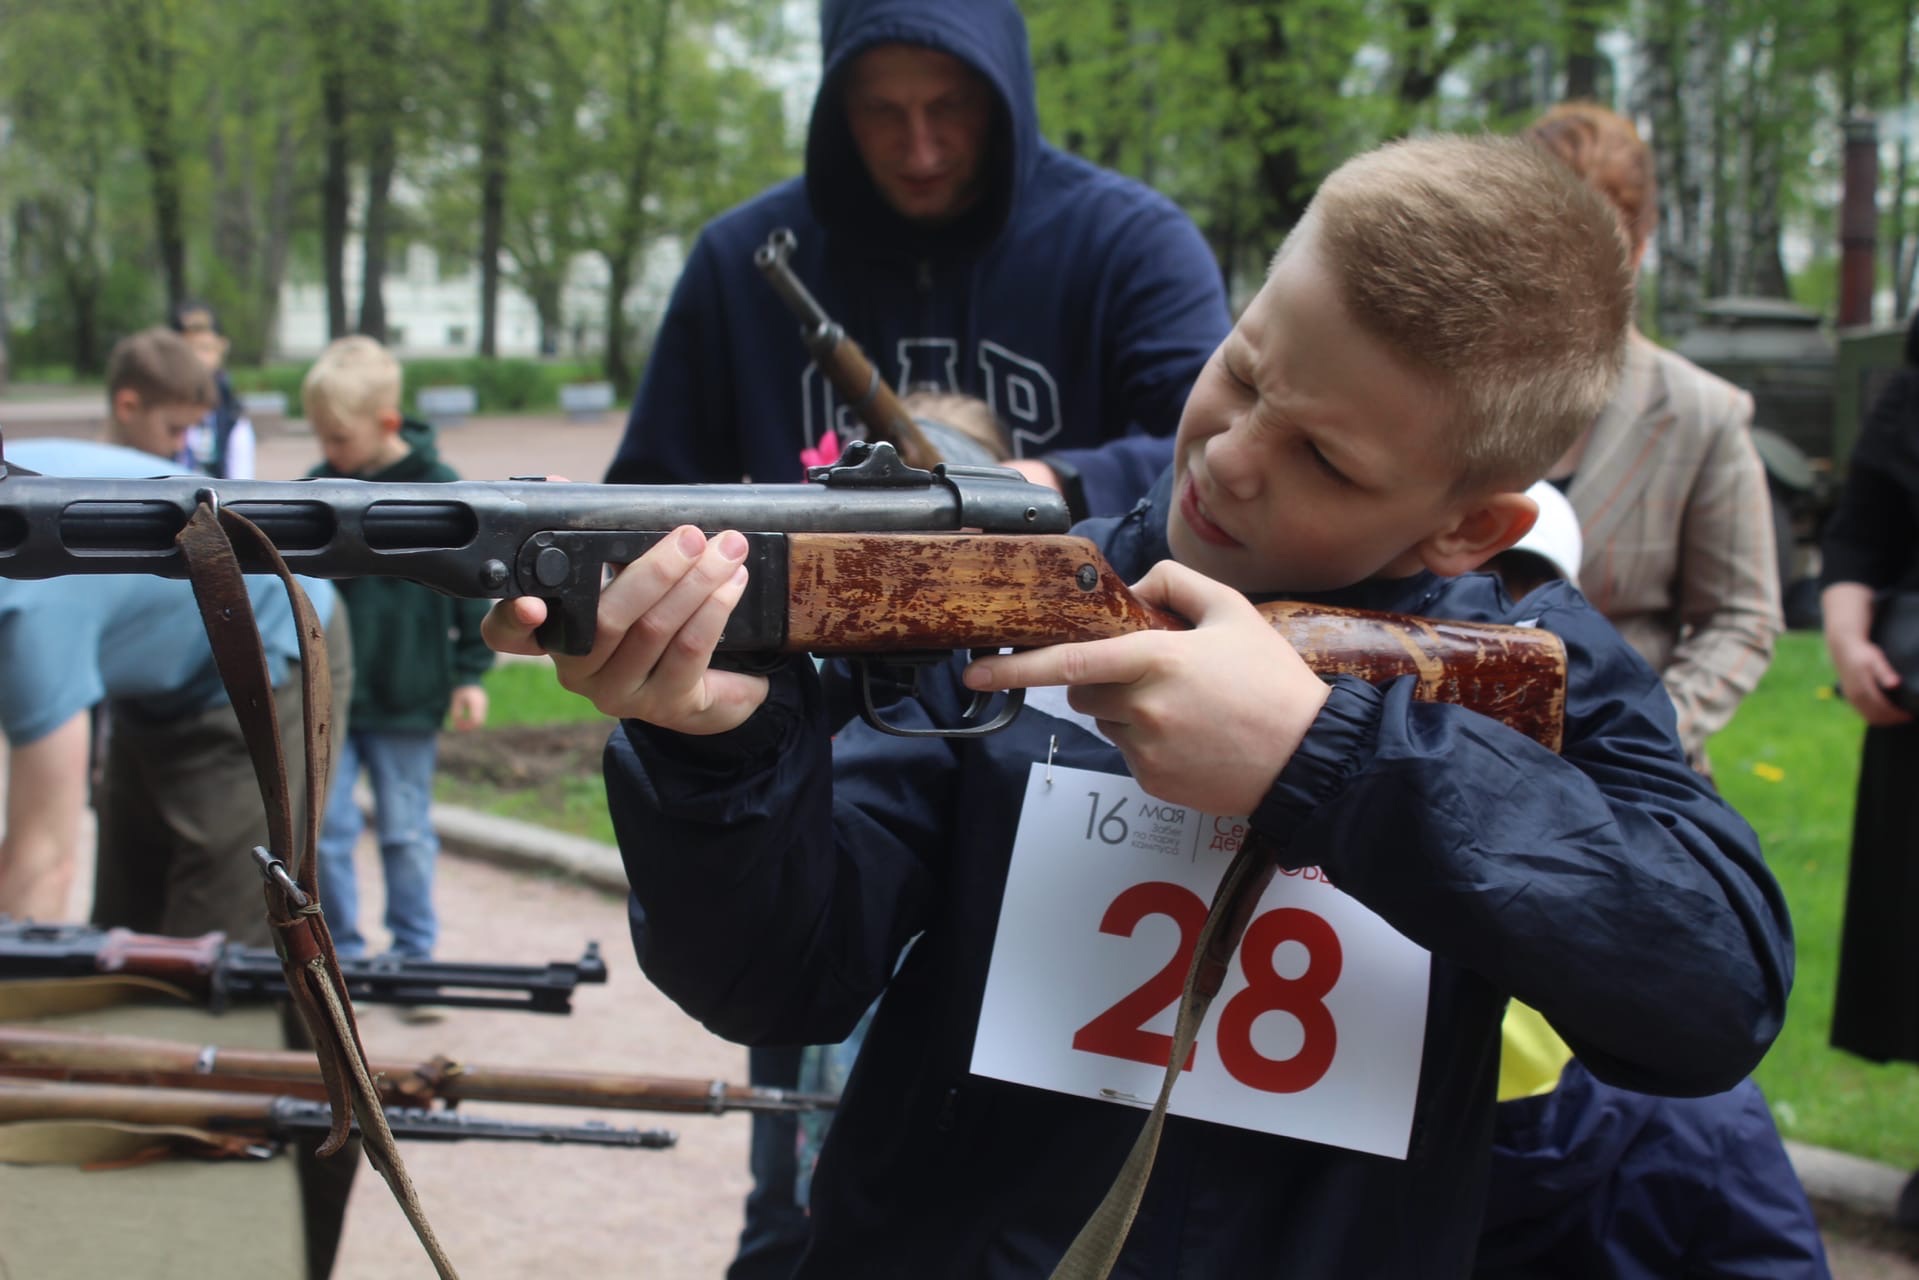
(961, 251)
(965, 254)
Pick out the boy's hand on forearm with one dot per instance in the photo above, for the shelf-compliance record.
(658, 623)
(1206, 717)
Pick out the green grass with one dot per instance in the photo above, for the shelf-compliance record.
(575, 805)
(520, 693)
(564, 791)
(1788, 762)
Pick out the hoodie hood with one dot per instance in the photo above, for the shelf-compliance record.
(987, 35)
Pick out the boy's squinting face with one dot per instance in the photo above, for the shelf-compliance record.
(1308, 457)
(157, 428)
(354, 443)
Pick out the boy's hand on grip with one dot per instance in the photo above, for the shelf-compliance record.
(658, 623)
(1206, 717)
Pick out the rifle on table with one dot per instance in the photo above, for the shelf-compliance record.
(872, 560)
(226, 973)
(258, 1116)
(82, 1057)
(920, 443)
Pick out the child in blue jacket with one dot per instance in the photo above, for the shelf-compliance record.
(1446, 317)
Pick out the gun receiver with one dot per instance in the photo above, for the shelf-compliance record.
(227, 973)
(872, 560)
(841, 360)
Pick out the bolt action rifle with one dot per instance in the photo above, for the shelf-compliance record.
(921, 442)
(247, 1122)
(873, 560)
(87, 1058)
(223, 973)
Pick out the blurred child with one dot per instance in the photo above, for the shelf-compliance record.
(417, 655)
(222, 443)
(156, 390)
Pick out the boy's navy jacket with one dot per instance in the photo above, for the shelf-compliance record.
(412, 645)
(1077, 303)
(780, 876)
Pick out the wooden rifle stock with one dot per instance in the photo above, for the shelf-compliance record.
(854, 594)
(45, 1054)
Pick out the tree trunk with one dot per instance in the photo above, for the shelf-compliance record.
(546, 301)
(1718, 182)
(86, 330)
(493, 170)
(145, 67)
(1583, 62)
(1279, 173)
(279, 220)
(373, 232)
(335, 193)
(1903, 250)
(614, 362)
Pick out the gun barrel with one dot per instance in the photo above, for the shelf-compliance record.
(272, 1116)
(771, 259)
(47, 1053)
(490, 541)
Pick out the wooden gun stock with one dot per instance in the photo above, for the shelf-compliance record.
(79, 1057)
(852, 594)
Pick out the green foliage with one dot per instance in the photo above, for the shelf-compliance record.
(1816, 285)
(501, 385)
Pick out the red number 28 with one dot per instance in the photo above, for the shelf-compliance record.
(1119, 1031)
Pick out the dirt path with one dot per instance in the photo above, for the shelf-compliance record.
(513, 1211)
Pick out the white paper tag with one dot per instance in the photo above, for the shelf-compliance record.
(1316, 1034)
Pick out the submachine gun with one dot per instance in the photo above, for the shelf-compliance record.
(221, 973)
(873, 560)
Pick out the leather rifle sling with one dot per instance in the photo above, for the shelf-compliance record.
(300, 933)
(1097, 1246)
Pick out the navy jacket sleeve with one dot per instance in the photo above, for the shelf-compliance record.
(765, 905)
(681, 428)
(1607, 887)
(1168, 312)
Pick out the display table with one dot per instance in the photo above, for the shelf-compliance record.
(175, 1219)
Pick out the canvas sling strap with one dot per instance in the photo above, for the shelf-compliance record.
(1096, 1248)
(300, 932)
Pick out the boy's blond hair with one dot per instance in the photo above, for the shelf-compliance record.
(355, 377)
(159, 366)
(1486, 265)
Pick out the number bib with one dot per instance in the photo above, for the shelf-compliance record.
(1316, 1034)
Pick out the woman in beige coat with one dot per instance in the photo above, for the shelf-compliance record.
(1670, 492)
